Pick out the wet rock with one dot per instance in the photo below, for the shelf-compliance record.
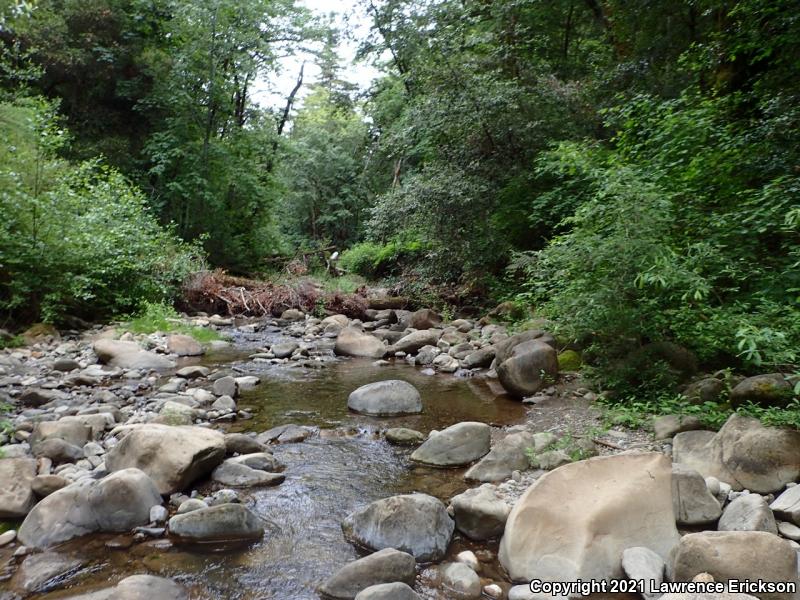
(45, 571)
(353, 341)
(139, 587)
(175, 413)
(190, 505)
(480, 359)
(240, 443)
(481, 513)
(748, 513)
(262, 461)
(460, 580)
(385, 399)
(292, 314)
(415, 340)
(236, 474)
(16, 494)
(766, 390)
(44, 485)
(787, 505)
(129, 355)
(226, 386)
(401, 436)
(744, 454)
(285, 434)
(575, 522)
(384, 566)
(445, 363)
(173, 457)
(388, 591)
(640, 563)
(118, 502)
(184, 345)
(225, 404)
(224, 522)
(522, 373)
(459, 444)
(414, 523)
(668, 426)
(284, 349)
(193, 372)
(693, 503)
(736, 555)
(7, 537)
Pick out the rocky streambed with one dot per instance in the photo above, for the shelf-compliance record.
(389, 458)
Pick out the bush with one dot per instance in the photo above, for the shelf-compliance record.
(75, 239)
(164, 318)
(371, 259)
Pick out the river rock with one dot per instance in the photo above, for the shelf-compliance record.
(285, 434)
(241, 443)
(445, 363)
(262, 461)
(504, 348)
(236, 474)
(692, 501)
(173, 457)
(480, 359)
(384, 566)
(388, 591)
(521, 374)
(425, 318)
(71, 431)
(193, 372)
(414, 523)
(415, 340)
(754, 555)
(402, 436)
(118, 502)
(184, 345)
(226, 386)
(37, 571)
(766, 390)
(748, 513)
(353, 341)
(481, 513)
(284, 349)
(35, 397)
(224, 522)
(505, 457)
(459, 444)
(138, 587)
(386, 399)
(744, 454)
(667, 426)
(461, 581)
(704, 390)
(44, 485)
(575, 522)
(787, 505)
(129, 355)
(640, 563)
(16, 493)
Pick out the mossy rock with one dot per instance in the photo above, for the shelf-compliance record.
(40, 331)
(569, 360)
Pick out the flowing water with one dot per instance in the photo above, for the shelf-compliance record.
(346, 465)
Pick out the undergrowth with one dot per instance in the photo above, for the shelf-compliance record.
(161, 317)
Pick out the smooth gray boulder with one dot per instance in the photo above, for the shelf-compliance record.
(787, 505)
(459, 444)
(414, 523)
(16, 493)
(479, 359)
(37, 571)
(116, 503)
(481, 513)
(772, 389)
(138, 587)
(238, 474)
(129, 355)
(402, 436)
(220, 523)
(748, 513)
(388, 591)
(184, 345)
(415, 340)
(505, 457)
(639, 563)
(667, 426)
(386, 399)
(384, 566)
(504, 348)
(692, 502)
(527, 368)
(241, 443)
(459, 580)
(173, 457)
(354, 341)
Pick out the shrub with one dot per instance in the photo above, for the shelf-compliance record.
(371, 259)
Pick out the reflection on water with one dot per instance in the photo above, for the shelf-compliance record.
(327, 477)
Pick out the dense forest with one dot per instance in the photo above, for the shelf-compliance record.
(630, 171)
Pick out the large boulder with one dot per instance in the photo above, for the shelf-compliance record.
(767, 390)
(481, 513)
(425, 318)
(388, 591)
(787, 505)
(506, 456)
(748, 513)
(16, 495)
(118, 502)
(385, 399)
(38, 572)
(138, 587)
(479, 359)
(575, 522)
(184, 345)
(71, 431)
(726, 555)
(414, 523)
(459, 444)
(129, 355)
(220, 523)
(528, 365)
(415, 340)
(744, 454)
(353, 341)
(384, 566)
(173, 457)
(692, 502)
(504, 348)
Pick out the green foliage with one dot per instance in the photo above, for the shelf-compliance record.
(75, 239)
(374, 260)
(16, 341)
(569, 360)
(164, 318)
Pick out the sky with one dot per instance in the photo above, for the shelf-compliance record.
(350, 15)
